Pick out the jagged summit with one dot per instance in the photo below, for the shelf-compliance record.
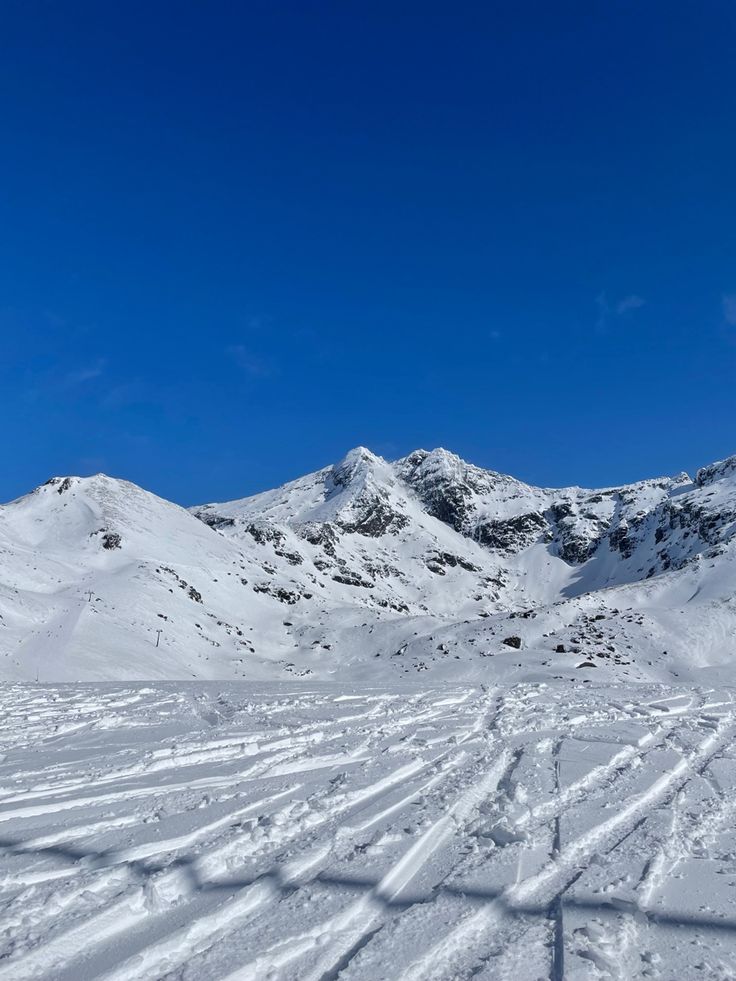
(359, 456)
(362, 470)
(720, 470)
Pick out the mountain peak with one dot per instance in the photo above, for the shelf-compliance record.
(359, 454)
(61, 484)
(357, 463)
(716, 471)
(440, 458)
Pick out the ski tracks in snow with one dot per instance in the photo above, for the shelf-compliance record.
(219, 831)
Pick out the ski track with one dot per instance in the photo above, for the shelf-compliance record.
(247, 832)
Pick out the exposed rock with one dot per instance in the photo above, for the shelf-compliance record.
(374, 519)
(715, 471)
(322, 535)
(620, 541)
(277, 592)
(514, 642)
(512, 534)
(263, 532)
(577, 534)
(438, 561)
(214, 520)
(349, 578)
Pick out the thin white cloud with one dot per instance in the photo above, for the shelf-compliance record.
(607, 310)
(54, 382)
(729, 308)
(248, 361)
(631, 302)
(257, 323)
(85, 373)
(129, 393)
(604, 310)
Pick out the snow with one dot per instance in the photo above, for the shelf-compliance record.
(406, 720)
(429, 555)
(273, 830)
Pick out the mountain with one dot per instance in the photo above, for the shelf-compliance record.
(371, 569)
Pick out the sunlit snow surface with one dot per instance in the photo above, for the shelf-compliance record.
(213, 831)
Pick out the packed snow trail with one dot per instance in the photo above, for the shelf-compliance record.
(232, 831)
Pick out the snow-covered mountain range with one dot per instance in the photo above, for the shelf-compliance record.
(370, 570)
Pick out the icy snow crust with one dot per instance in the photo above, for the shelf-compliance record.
(292, 831)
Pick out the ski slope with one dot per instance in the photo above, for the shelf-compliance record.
(220, 830)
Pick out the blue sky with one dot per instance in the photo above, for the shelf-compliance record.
(237, 239)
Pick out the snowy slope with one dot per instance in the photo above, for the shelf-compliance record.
(371, 570)
(98, 565)
(637, 580)
(512, 756)
(214, 832)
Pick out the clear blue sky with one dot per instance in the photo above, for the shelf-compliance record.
(237, 239)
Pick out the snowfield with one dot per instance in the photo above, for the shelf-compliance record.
(225, 830)
(391, 721)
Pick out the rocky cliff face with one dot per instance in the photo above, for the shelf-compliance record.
(493, 520)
